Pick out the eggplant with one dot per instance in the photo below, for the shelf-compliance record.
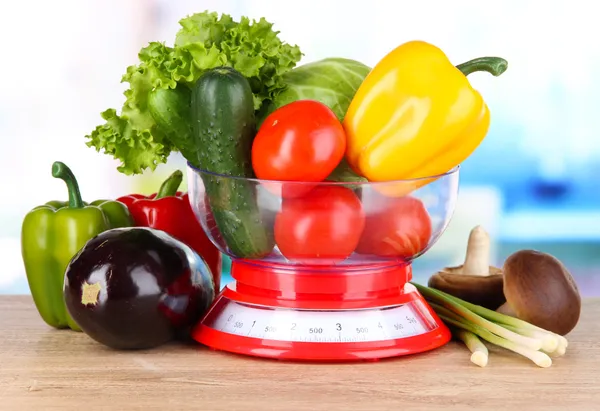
(137, 288)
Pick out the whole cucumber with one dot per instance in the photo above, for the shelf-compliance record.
(224, 127)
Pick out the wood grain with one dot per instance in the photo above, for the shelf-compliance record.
(46, 369)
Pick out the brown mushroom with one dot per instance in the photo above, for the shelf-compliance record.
(541, 291)
(474, 281)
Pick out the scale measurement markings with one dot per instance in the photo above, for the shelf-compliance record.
(320, 326)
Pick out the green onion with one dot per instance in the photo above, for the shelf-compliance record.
(479, 352)
(517, 325)
(469, 322)
(457, 307)
(550, 344)
(539, 358)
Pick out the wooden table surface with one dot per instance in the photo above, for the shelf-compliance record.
(46, 369)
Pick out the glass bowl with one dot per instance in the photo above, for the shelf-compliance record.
(322, 224)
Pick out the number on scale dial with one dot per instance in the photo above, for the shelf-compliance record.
(320, 326)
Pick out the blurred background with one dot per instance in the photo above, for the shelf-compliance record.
(531, 184)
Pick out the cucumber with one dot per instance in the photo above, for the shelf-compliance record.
(170, 109)
(224, 127)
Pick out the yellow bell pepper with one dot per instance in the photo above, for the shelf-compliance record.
(416, 115)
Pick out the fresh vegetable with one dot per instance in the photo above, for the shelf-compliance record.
(136, 288)
(331, 81)
(301, 141)
(528, 340)
(540, 290)
(416, 115)
(169, 210)
(397, 227)
(322, 227)
(148, 128)
(171, 110)
(479, 352)
(476, 281)
(52, 233)
(224, 128)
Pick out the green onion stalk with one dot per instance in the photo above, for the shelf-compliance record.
(479, 352)
(472, 323)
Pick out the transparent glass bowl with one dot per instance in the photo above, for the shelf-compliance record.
(326, 224)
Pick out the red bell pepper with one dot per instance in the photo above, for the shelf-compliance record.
(169, 210)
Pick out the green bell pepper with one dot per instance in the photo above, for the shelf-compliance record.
(53, 233)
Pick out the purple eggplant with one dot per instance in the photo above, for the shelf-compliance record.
(137, 288)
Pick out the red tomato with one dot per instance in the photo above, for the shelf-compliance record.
(289, 189)
(322, 227)
(400, 228)
(301, 141)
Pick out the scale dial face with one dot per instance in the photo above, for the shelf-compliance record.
(320, 326)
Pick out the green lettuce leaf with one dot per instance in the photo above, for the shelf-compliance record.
(136, 149)
(205, 40)
(333, 82)
(251, 47)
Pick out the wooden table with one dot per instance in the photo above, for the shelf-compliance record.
(46, 369)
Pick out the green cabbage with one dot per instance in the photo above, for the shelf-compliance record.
(332, 81)
(205, 40)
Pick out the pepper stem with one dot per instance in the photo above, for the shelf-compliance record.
(493, 65)
(60, 170)
(169, 187)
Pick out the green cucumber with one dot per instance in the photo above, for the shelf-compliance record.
(224, 127)
(171, 111)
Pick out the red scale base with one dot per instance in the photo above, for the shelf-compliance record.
(359, 314)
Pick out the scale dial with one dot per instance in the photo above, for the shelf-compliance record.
(319, 326)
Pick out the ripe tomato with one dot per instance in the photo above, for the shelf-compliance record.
(301, 141)
(323, 227)
(401, 227)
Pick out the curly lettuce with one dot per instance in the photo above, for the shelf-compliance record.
(204, 41)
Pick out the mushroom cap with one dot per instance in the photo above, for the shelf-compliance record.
(540, 290)
(486, 291)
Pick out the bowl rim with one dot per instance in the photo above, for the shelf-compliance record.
(198, 170)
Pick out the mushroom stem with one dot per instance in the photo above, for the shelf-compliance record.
(477, 258)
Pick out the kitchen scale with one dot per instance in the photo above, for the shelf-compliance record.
(368, 314)
(362, 309)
